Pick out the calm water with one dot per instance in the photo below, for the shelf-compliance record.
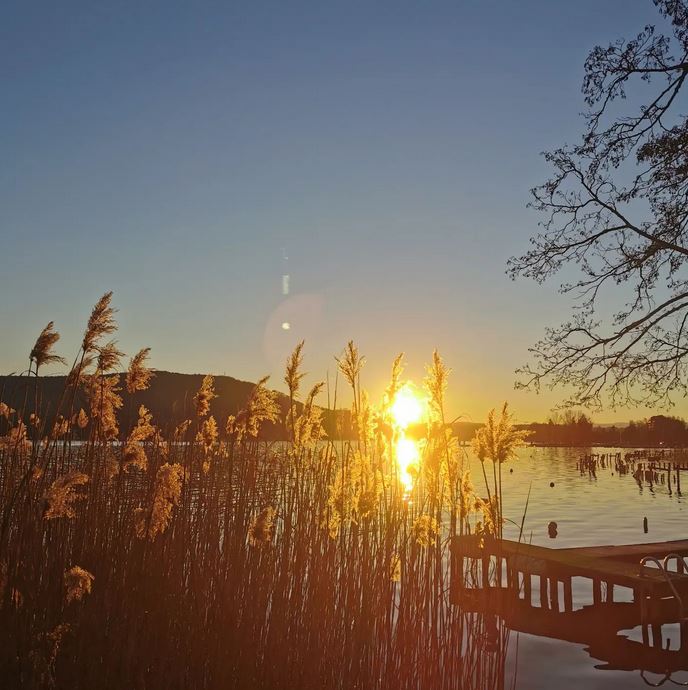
(606, 510)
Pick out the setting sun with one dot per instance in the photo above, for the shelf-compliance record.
(407, 407)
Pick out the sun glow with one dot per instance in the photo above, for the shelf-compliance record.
(407, 408)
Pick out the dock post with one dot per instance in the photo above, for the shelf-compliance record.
(568, 595)
(641, 599)
(485, 571)
(596, 592)
(527, 588)
(678, 481)
(554, 594)
(543, 592)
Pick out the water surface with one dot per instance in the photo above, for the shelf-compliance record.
(608, 509)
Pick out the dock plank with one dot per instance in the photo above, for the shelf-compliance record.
(572, 563)
(633, 551)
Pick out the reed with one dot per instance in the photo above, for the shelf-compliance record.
(210, 558)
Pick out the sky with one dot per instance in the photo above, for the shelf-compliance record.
(188, 155)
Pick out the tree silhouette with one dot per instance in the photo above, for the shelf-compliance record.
(616, 212)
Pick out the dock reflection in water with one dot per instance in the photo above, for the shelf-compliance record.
(504, 577)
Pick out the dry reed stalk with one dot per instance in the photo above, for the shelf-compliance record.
(222, 560)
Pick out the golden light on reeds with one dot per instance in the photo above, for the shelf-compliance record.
(304, 534)
(407, 408)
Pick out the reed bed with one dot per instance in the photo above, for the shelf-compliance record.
(209, 558)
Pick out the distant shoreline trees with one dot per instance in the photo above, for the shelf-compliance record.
(577, 429)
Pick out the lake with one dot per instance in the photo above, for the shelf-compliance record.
(588, 511)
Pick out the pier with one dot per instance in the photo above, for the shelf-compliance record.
(493, 574)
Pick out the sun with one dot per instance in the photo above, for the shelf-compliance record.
(406, 407)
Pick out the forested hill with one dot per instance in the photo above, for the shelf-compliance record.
(169, 399)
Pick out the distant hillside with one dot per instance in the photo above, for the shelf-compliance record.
(169, 399)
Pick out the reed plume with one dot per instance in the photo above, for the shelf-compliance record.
(351, 363)
(436, 382)
(261, 529)
(205, 394)
(499, 439)
(261, 406)
(208, 435)
(134, 454)
(78, 583)
(394, 381)
(62, 494)
(138, 374)
(41, 353)
(108, 357)
(100, 323)
(166, 494)
(425, 530)
(81, 419)
(104, 400)
(293, 373)
(307, 428)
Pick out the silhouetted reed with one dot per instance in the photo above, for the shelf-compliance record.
(213, 559)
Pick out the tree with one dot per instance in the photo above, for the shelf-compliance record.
(616, 212)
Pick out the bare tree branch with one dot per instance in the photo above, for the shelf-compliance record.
(617, 209)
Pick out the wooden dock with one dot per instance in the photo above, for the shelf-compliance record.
(504, 569)
(633, 552)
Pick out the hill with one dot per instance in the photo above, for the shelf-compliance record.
(169, 399)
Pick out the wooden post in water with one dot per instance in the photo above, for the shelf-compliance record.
(527, 588)
(640, 597)
(568, 595)
(485, 570)
(543, 592)
(554, 594)
(596, 591)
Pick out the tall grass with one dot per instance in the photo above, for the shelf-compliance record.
(209, 558)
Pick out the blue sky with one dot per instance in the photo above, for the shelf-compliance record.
(172, 152)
